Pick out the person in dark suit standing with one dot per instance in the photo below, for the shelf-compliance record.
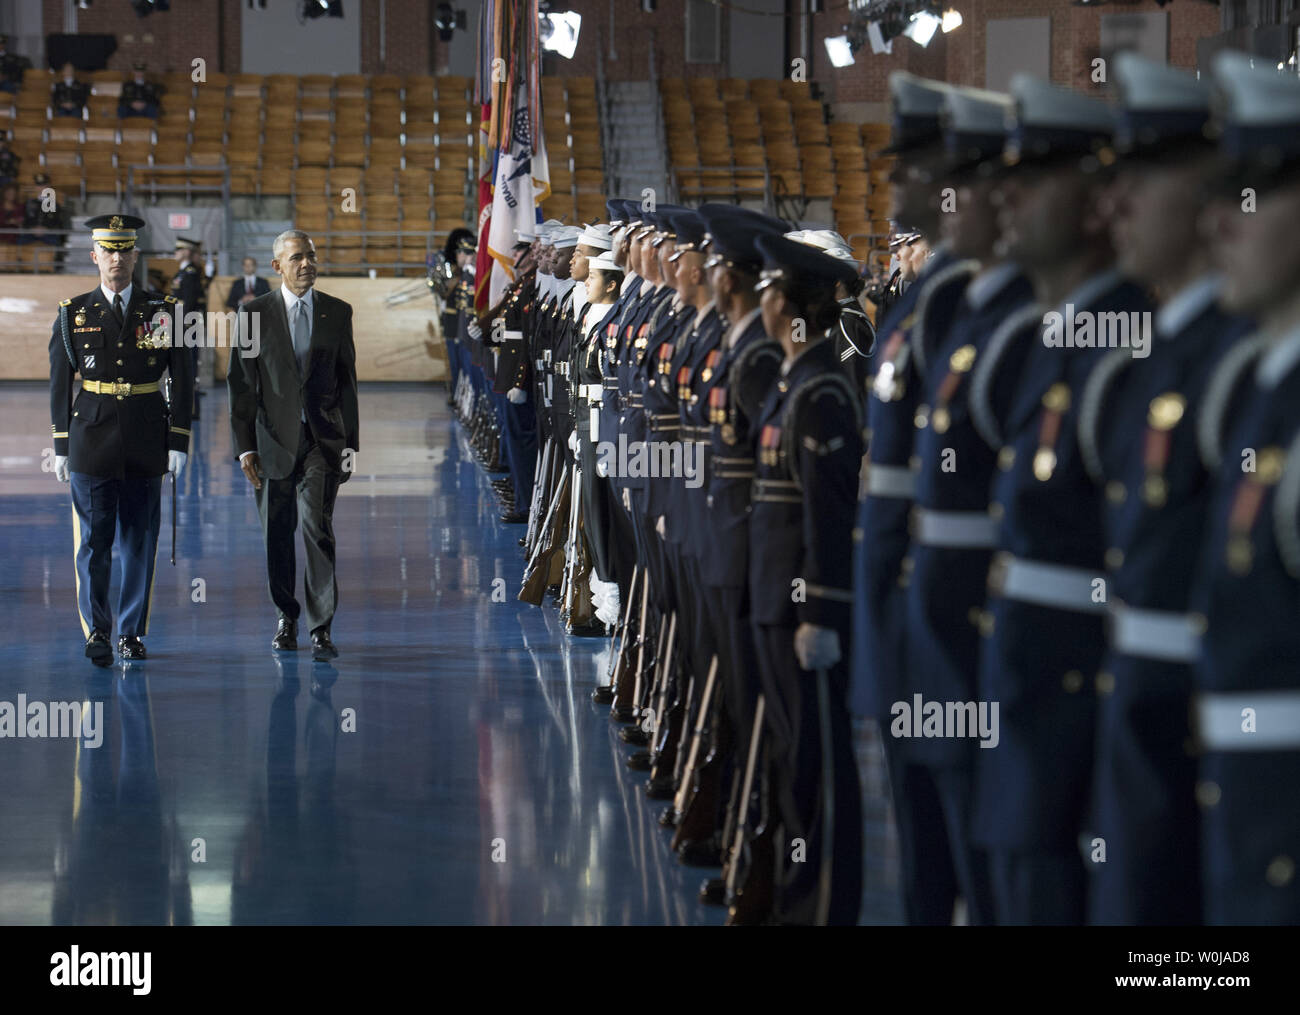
(293, 415)
(248, 287)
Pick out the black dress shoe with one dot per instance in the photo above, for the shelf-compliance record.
(98, 649)
(634, 735)
(130, 647)
(713, 891)
(660, 789)
(322, 649)
(640, 761)
(286, 636)
(515, 518)
(603, 694)
(699, 853)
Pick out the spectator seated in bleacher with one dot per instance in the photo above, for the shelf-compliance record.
(8, 161)
(139, 96)
(68, 96)
(11, 218)
(48, 222)
(11, 67)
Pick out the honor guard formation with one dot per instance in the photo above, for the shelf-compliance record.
(1040, 521)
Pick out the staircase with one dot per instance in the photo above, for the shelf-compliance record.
(639, 159)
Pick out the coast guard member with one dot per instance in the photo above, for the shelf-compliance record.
(1247, 691)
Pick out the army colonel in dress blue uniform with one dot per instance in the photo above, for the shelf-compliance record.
(1138, 425)
(114, 439)
(1247, 675)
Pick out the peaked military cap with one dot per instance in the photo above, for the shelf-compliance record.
(114, 232)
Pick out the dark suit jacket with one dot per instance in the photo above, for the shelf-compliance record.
(267, 392)
(260, 288)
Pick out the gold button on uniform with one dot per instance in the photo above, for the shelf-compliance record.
(1281, 871)
(1115, 492)
(1105, 683)
(986, 624)
(1072, 681)
(119, 362)
(1006, 458)
(1114, 558)
(995, 511)
(1208, 793)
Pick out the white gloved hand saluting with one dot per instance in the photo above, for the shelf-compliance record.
(517, 396)
(61, 468)
(474, 330)
(817, 648)
(176, 462)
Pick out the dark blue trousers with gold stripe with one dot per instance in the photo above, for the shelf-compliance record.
(130, 512)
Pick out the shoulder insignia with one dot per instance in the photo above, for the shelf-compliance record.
(986, 364)
(1090, 405)
(65, 303)
(169, 299)
(961, 272)
(1233, 366)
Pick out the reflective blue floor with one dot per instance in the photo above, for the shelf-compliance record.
(449, 768)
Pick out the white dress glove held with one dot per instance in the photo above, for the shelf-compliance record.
(817, 648)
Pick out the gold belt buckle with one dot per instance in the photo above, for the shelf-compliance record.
(123, 388)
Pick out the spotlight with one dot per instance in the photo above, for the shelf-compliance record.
(84, 4)
(951, 20)
(840, 50)
(922, 26)
(322, 8)
(880, 43)
(559, 32)
(447, 20)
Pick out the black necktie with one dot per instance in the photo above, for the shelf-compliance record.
(117, 308)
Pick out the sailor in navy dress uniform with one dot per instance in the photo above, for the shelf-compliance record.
(809, 457)
(1156, 494)
(881, 535)
(115, 442)
(1047, 591)
(1247, 676)
(952, 534)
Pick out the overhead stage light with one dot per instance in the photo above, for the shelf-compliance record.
(922, 26)
(951, 20)
(839, 49)
(559, 32)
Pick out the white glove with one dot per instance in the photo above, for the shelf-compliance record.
(661, 528)
(61, 468)
(474, 330)
(817, 648)
(517, 396)
(573, 441)
(176, 462)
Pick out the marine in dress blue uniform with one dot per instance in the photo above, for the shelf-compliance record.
(809, 456)
(1044, 624)
(115, 439)
(1246, 704)
(1138, 436)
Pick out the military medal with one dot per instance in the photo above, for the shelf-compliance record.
(769, 442)
(1055, 405)
(710, 362)
(684, 383)
(1249, 498)
(80, 319)
(665, 357)
(1162, 416)
(959, 364)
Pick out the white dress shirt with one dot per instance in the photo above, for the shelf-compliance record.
(125, 294)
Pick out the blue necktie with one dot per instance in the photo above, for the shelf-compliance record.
(301, 342)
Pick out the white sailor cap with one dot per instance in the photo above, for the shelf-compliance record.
(598, 235)
(526, 235)
(603, 262)
(826, 240)
(975, 123)
(563, 237)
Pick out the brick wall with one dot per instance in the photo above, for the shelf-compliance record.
(210, 29)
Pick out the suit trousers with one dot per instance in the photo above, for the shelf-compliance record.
(307, 494)
(128, 509)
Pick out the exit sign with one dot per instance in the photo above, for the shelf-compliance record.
(178, 221)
